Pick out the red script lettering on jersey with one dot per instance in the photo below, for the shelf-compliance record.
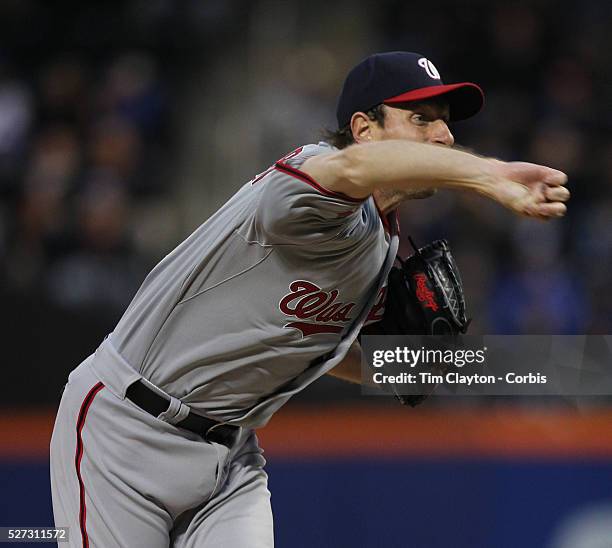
(378, 310)
(308, 301)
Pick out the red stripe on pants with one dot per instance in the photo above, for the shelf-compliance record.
(79, 455)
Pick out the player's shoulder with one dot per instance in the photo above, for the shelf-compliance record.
(294, 166)
(297, 157)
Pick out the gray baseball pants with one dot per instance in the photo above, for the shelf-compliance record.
(121, 477)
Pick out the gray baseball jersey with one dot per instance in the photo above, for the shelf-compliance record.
(270, 283)
(258, 302)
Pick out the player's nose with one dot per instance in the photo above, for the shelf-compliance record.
(441, 134)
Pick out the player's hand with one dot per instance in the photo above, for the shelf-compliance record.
(530, 190)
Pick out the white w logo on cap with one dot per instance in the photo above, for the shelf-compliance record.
(429, 67)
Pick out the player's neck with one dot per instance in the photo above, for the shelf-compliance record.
(387, 200)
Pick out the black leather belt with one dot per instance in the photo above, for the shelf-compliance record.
(155, 404)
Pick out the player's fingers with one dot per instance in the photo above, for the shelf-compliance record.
(530, 174)
(557, 194)
(554, 177)
(547, 175)
(550, 210)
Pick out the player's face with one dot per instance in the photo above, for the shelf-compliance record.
(425, 122)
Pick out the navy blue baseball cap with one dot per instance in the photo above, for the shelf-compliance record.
(398, 77)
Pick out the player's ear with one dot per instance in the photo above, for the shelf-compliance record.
(361, 127)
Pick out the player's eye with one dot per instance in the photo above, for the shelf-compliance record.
(419, 119)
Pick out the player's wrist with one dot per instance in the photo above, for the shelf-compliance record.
(486, 178)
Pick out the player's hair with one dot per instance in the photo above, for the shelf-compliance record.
(341, 138)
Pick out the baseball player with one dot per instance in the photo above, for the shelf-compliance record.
(154, 440)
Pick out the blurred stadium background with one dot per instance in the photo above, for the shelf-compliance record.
(124, 125)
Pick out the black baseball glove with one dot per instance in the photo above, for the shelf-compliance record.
(424, 297)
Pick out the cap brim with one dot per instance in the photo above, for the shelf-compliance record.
(465, 99)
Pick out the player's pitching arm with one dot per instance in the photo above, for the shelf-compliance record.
(526, 189)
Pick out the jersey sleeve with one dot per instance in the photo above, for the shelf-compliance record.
(294, 209)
